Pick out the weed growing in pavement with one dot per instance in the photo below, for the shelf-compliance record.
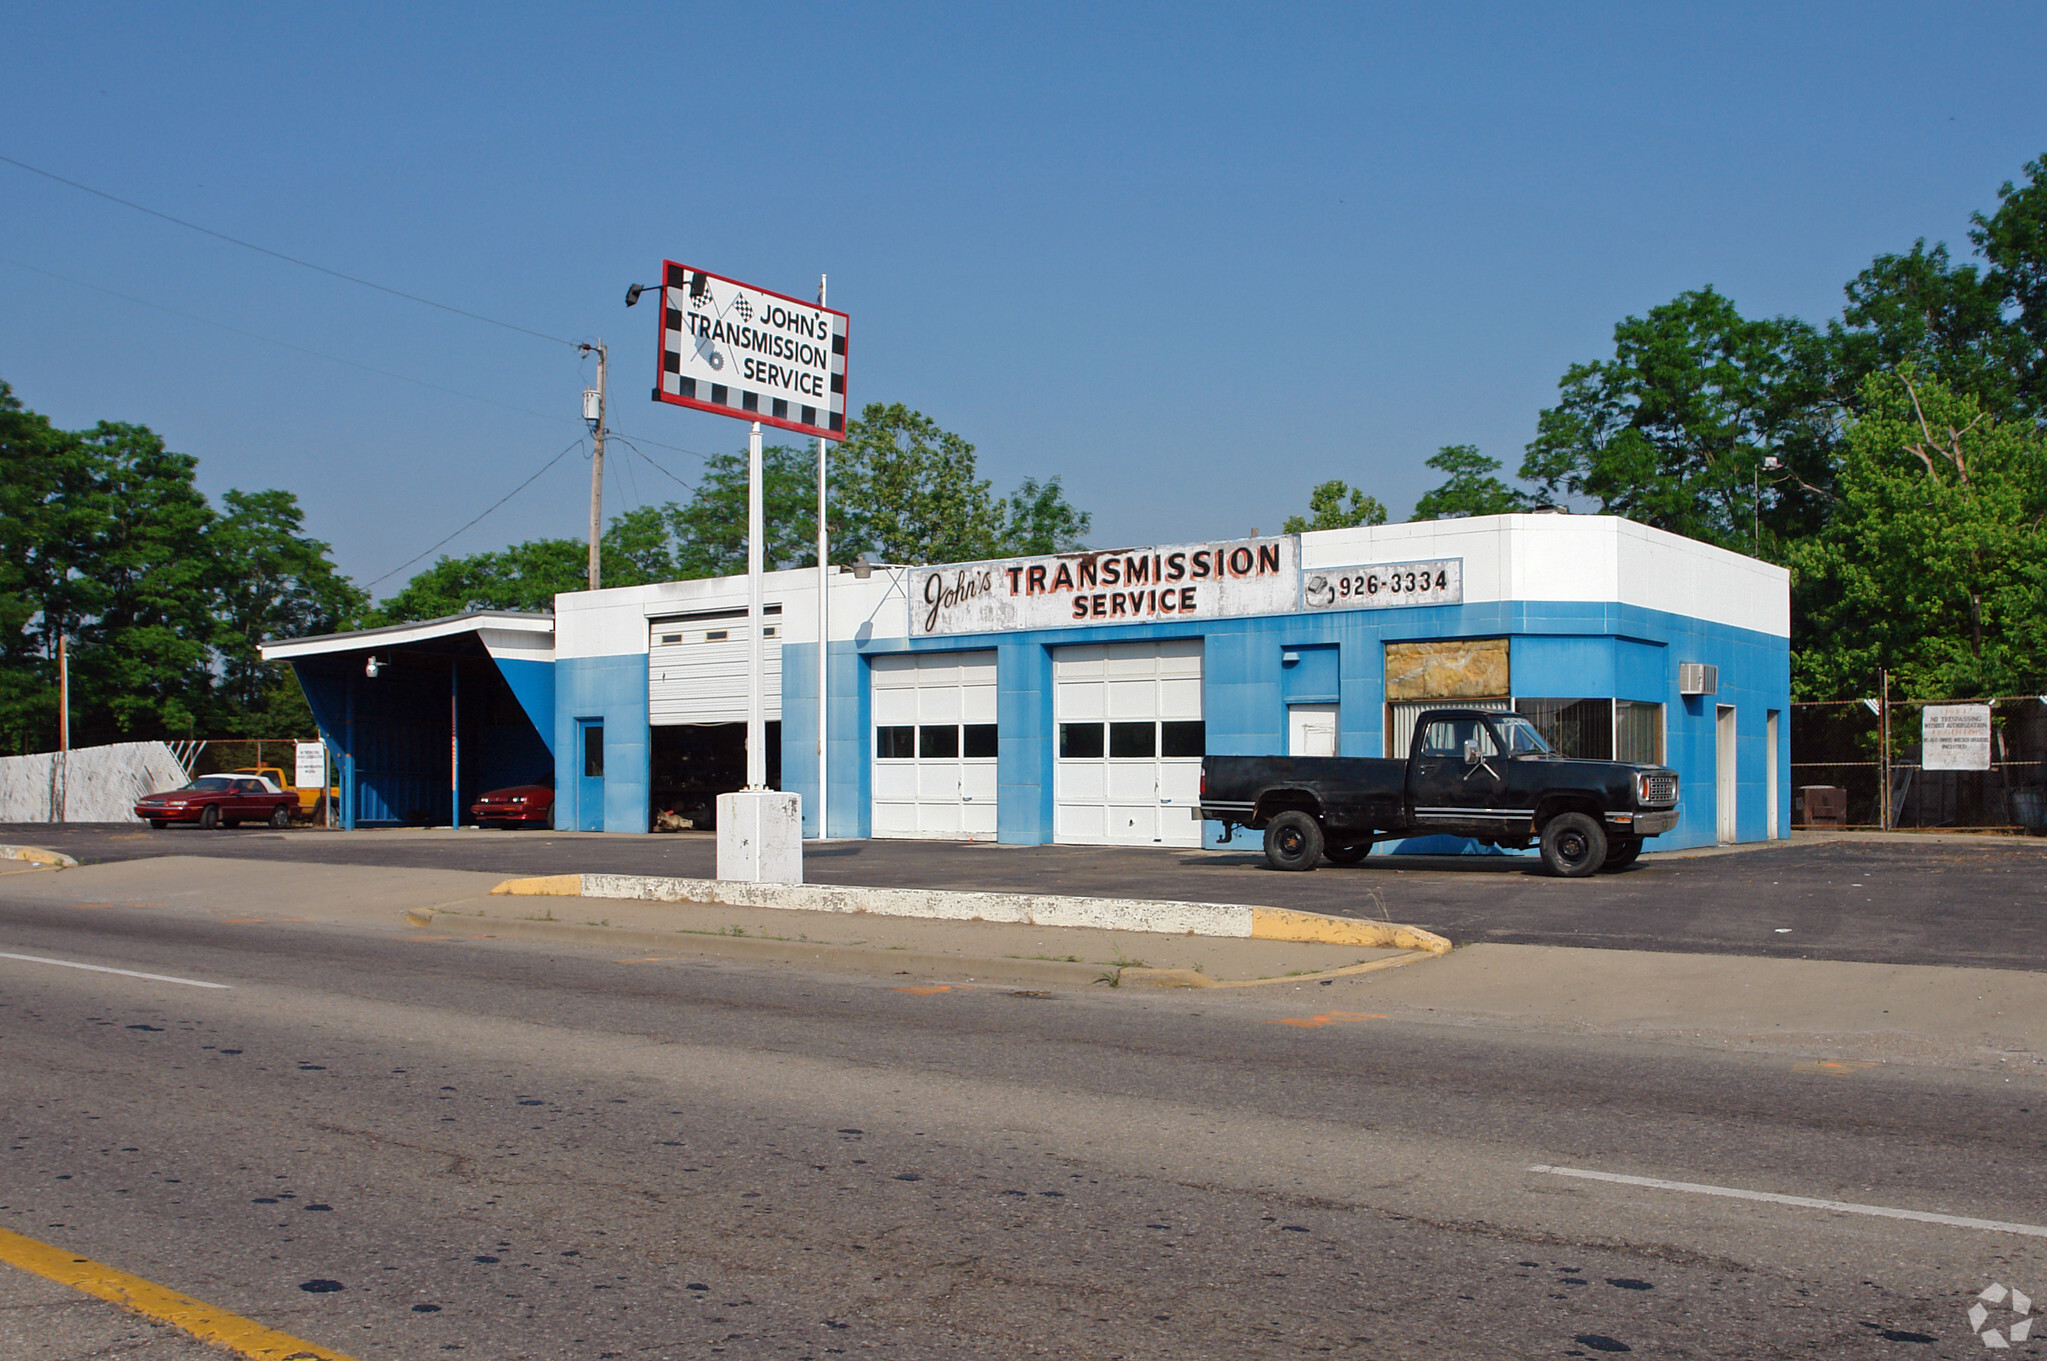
(1120, 962)
(1112, 979)
(1056, 959)
(546, 916)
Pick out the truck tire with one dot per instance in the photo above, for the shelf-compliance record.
(1348, 854)
(1573, 846)
(1622, 852)
(209, 817)
(280, 817)
(1293, 841)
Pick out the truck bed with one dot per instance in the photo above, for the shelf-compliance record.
(1356, 793)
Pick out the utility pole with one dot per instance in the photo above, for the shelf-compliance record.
(593, 414)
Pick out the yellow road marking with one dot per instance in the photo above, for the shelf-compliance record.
(1833, 1066)
(928, 992)
(244, 1337)
(1330, 1018)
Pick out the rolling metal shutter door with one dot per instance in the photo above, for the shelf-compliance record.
(696, 671)
(950, 797)
(1126, 800)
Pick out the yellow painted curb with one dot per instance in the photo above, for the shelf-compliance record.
(544, 885)
(1278, 923)
(36, 855)
(242, 1336)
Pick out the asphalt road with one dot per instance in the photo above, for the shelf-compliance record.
(400, 1147)
(1981, 902)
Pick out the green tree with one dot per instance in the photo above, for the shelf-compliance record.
(710, 528)
(2014, 242)
(1934, 564)
(1039, 519)
(1336, 505)
(911, 492)
(1672, 431)
(1473, 487)
(271, 580)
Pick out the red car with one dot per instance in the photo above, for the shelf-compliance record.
(220, 801)
(519, 805)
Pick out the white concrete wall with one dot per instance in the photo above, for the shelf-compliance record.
(613, 622)
(1576, 558)
(96, 784)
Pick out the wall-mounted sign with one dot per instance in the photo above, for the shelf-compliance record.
(1124, 586)
(1384, 585)
(737, 350)
(1955, 737)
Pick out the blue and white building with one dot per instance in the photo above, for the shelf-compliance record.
(1070, 698)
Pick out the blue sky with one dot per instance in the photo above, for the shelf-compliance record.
(1192, 259)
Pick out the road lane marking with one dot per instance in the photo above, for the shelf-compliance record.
(243, 1336)
(1804, 1202)
(125, 973)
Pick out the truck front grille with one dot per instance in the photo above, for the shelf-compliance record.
(1660, 789)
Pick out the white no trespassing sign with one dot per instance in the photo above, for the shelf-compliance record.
(1954, 737)
(311, 772)
(1121, 586)
(737, 350)
(1384, 585)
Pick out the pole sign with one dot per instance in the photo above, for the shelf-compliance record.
(1122, 586)
(311, 772)
(735, 350)
(1954, 737)
(1384, 585)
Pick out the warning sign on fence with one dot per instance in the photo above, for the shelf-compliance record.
(1955, 737)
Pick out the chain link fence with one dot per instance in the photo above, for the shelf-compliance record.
(1839, 745)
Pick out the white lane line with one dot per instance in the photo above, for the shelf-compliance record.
(125, 973)
(1805, 1202)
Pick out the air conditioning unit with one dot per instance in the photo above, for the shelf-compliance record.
(1697, 678)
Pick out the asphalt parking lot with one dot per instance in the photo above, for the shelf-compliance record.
(1885, 899)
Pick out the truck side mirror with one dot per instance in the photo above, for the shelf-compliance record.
(1471, 751)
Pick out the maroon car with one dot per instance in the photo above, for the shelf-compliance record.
(220, 801)
(519, 805)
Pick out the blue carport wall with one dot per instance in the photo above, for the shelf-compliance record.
(441, 722)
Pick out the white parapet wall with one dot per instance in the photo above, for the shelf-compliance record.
(87, 784)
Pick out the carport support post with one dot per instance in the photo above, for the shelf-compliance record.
(454, 747)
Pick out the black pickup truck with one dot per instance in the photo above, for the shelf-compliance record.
(1469, 772)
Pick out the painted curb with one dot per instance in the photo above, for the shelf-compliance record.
(864, 958)
(36, 855)
(1024, 909)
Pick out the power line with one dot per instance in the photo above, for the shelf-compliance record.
(285, 344)
(479, 519)
(628, 443)
(280, 255)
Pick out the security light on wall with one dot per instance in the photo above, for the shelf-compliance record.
(371, 667)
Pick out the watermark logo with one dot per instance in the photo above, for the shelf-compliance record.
(2001, 1337)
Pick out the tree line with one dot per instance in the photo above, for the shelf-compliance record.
(107, 541)
(1893, 458)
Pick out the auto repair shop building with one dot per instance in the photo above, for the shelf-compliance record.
(1070, 698)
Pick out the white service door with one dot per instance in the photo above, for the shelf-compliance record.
(1311, 730)
(1129, 735)
(1727, 828)
(933, 746)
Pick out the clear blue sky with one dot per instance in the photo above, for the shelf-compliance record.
(1192, 259)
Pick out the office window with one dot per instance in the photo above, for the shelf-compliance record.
(1638, 732)
(1572, 727)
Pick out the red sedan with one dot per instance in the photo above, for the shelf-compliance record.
(220, 801)
(519, 805)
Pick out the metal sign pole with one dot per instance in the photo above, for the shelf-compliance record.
(824, 590)
(756, 649)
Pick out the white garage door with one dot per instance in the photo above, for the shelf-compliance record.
(1130, 741)
(934, 746)
(696, 667)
